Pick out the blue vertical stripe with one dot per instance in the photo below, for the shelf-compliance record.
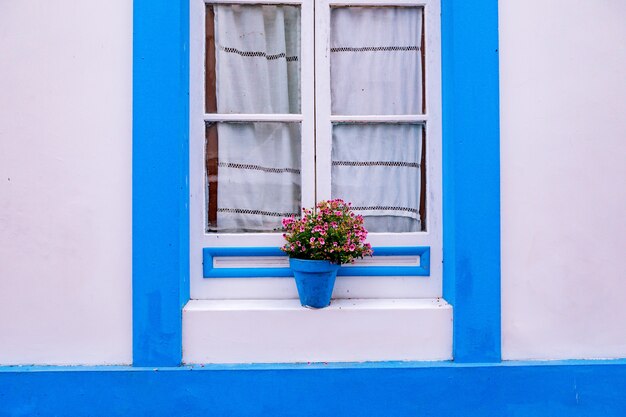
(160, 180)
(471, 176)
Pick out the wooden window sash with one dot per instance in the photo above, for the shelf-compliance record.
(212, 143)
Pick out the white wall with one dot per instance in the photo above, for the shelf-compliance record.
(563, 124)
(65, 182)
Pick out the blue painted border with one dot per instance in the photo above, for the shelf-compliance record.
(471, 210)
(160, 186)
(471, 176)
(210, 272)
(581, 388)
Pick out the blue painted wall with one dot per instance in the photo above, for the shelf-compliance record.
(471, 176)
(160, 185)
(501, 390)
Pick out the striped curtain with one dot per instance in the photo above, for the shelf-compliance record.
(258, 71)
(376, 69)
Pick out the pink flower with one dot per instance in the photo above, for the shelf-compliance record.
(328, 218)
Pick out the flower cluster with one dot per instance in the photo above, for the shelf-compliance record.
(330, 232)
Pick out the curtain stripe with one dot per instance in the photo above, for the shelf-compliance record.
(376, 163)
(382, 208)
(260, 168)
(375, 48)
(261, 54)
(256, 212)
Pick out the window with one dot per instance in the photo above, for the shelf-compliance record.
(297, 102)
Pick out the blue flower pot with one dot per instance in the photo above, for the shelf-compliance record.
(315, 281)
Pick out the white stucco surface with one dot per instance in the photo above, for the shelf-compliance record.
(349, 330)
(65, 182)
(563, 147)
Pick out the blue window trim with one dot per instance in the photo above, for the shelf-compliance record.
(160, 186)
(471, 176)
(209, 271)
(471, 193)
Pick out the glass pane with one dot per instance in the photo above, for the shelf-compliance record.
(252, 59)
(253, 175)
(378, 168)
(376, 60)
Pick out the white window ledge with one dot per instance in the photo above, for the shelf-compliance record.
(349, 330)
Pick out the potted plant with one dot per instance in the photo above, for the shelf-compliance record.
(318, 243)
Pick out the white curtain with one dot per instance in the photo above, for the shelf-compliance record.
(377, 168)
(376, 69)
(258, 71)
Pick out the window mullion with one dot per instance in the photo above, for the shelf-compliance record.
(308, 104)
(252, 117)
(386, 118)
(323, 127)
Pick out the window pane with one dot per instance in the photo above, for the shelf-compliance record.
(252, 58)
(376, 60)
(253, 175)
(378, 167)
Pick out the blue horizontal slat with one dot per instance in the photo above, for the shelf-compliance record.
(210, 272)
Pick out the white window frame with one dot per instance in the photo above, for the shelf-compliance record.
(316, 124)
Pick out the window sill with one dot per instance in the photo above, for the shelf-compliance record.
(349, 330)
